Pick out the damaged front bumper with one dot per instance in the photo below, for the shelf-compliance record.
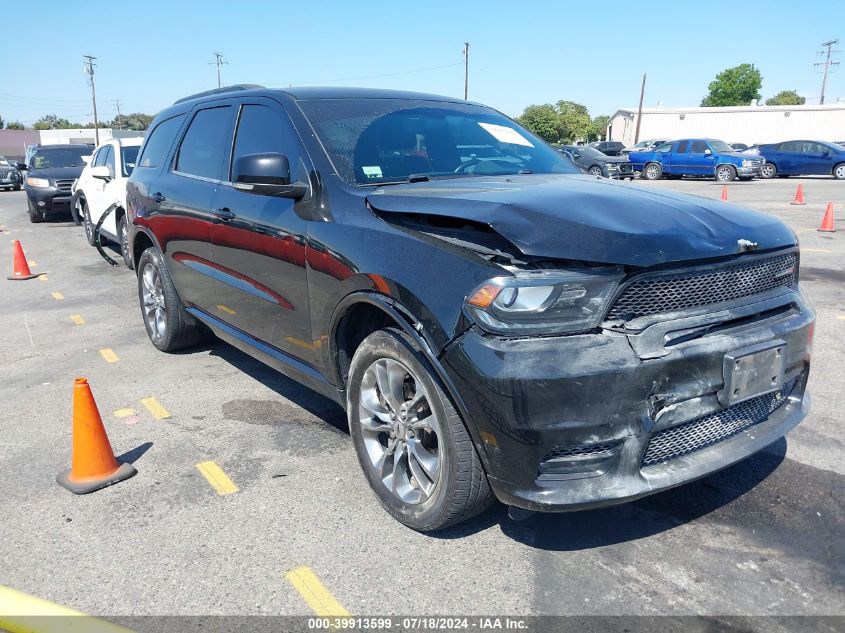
(596, 419)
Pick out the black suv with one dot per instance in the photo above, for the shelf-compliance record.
(49, 178)
(493, 322)
(611, 148)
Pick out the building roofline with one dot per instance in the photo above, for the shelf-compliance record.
(748, 108)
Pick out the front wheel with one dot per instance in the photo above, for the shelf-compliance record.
(725, 173)
(652, 171)
(768, 170)
(411, 443)
(35, 216)
(839, 171)
(168, 325)
(90, 233)
(595, 170)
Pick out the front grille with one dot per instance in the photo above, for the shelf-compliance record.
(710, 429)
(64, 185)
(4, 173)
(657, 293)
(625, 167)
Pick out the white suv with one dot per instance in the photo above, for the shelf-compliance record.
(101, 186)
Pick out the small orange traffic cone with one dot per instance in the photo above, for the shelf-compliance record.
(93, 465)
(20, 269)
(799, 196)
(828, 222)
(724, 195)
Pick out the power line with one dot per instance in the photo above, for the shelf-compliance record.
(828, 65)
(379, 76)
(218, 61)
(89, 68)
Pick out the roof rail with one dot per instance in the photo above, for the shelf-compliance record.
(218, 91)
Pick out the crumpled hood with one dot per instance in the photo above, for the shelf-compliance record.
(590, 219)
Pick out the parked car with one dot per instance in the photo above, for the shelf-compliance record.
(799, 158)
(101, 188)
(696, 157)
(611, 148)
(739, 147)
(593, 162)
(493, 322)
(51, 171)
(10, 177)
(643, 146)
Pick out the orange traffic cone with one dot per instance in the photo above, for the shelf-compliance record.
(724, 195)
(828, 223)
(93, 465)
(20, 269)
(799, 196)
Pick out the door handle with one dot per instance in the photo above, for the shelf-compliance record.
(158, 198)
(224, 213)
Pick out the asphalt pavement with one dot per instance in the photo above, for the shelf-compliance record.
(762, 537)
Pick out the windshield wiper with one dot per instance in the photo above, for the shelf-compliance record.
(418, 178)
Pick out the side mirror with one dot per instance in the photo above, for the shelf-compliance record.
(708, 152)
(267, 175)
(21, 166)
(101, 172)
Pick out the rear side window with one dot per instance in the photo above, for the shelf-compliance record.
(204, 144)
(698, 147)
(128, 156)
(159, 142)
(262, 129)
(682, 147)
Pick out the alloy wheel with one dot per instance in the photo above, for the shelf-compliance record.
(155, 310)
(651, 172)
(767, 170)
(724, 174)
(400, 430)
(839, 172)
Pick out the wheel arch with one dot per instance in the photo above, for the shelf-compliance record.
(141, 241)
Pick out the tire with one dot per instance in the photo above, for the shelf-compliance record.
(35, 216)
(595, 170)
(652, 171)
(768, 170)
(455, 485)
(16, 188)
(725, 173)
(746, 178)
(88, 224)
(168, 325)
(75, 205)
(123, 236)
(839, 171)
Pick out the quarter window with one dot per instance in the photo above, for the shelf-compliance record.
(203, 147)
(159, 141)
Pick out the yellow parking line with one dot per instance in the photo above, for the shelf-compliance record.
(815, 250)
(77, 318)
(155, 408)
(217, 478)
(123, 413)
(43, 277)
(108, 355)
(22, 613)
(841, 317)
(225, 309)
(315, 593)
(58, 296)
(31, 262)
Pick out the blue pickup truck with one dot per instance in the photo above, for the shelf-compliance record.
(696, 157)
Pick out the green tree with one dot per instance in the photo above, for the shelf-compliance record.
(14, 125)
(598, 128)
(1, 123)
(574, 120)
(136, 121)
(52, 122)
(739, 85)
(543, 120)
(786, 97)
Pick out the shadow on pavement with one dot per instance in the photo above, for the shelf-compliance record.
(131, 456)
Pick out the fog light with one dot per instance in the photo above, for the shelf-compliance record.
(41, 203)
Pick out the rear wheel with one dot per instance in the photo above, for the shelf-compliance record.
(839, 171)
(725, 173)
(123, 236)
(168, 325)
(652, 171)
(411, 443)
(768, 170)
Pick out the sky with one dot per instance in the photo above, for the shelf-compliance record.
(150, 52)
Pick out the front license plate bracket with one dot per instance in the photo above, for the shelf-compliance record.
(753, 371)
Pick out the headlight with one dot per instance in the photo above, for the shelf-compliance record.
(543, 302)
(38, 182)
(746, 163)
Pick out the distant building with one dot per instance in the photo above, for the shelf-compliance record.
(735, 124)
(13, 143)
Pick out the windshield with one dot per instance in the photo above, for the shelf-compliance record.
(69, 156)
(128, 156)
(377, 141)
(720, 146)
(5, 161)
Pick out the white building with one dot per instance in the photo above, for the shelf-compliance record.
(735, 124)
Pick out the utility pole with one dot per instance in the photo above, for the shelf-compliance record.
(827, 65)
(218, 61)
(119, 120)
(89, 68)
(466, 70)
(640, 112)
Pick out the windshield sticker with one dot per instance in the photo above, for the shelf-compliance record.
(506, 134)
(372, 171)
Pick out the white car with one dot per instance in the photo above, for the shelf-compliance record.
(102, 186)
